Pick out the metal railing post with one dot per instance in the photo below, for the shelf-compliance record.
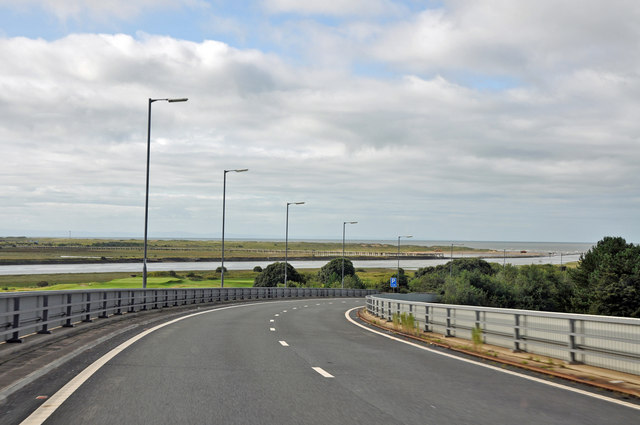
(426, 318)
(16, 321)
(104, 314)
(572, 341)
(68, 323)
(45, 315)
(87, 309)
(516, 330)
(119, 305)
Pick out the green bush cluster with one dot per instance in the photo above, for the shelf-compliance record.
(405, 321)
(273, 275)
(606, 281)
(329, 276)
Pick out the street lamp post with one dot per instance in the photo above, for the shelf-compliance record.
(398, 272)
(344, 223)
(146, 202)
(286, 240)
(224, 195)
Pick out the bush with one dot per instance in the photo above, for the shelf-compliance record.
(219, 269)
(257, 269)
(332, 271)
(43, 283)
(273, 274)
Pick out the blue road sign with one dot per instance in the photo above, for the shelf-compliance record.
(394, 282)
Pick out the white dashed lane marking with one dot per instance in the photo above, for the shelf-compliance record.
(283, 343)
(272, 329)
(322, 372)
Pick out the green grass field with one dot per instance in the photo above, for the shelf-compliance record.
(37, 250)
(186, 279)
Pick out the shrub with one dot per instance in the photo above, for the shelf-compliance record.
(43, 283)
(257, 269)
(273, 275)
(332, 271)
(476, 337)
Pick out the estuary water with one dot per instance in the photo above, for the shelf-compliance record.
(249, 265)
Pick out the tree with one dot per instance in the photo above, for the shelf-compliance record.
(458, 290)
(353, 282)
(472, 265)
(273, 274)
(607, 279)
(332, 271)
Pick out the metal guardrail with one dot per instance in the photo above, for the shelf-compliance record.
(602, 341)
(24, 313)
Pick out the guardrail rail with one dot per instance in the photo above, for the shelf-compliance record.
(602, 341)
(24, 313)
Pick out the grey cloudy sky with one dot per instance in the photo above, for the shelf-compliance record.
(453, 119)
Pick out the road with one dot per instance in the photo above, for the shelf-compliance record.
(254, 364)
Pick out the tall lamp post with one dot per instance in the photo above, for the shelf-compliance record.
(146, 202)
(398, 272)
(224, 195)
(344, 224)
(286, 240)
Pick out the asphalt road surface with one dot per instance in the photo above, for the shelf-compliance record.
(303, 362)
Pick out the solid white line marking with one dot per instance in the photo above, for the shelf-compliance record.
(322, 372)
(283, 343)
(45, 410)
(272, 329)
(495, 368)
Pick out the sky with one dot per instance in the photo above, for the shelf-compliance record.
(446, 120)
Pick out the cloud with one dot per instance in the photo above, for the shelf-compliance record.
(421, 149)
(341, 8)
(505, 38)
(101, 10)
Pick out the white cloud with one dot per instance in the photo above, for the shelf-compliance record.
(522, 38)
(414, 147)
(333, 8)
(99, 9)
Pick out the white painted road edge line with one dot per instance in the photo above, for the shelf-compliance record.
(497, 369)
(45, 410)
(283, 343)
(322, 372)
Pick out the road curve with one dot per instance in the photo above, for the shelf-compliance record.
(302, 362)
